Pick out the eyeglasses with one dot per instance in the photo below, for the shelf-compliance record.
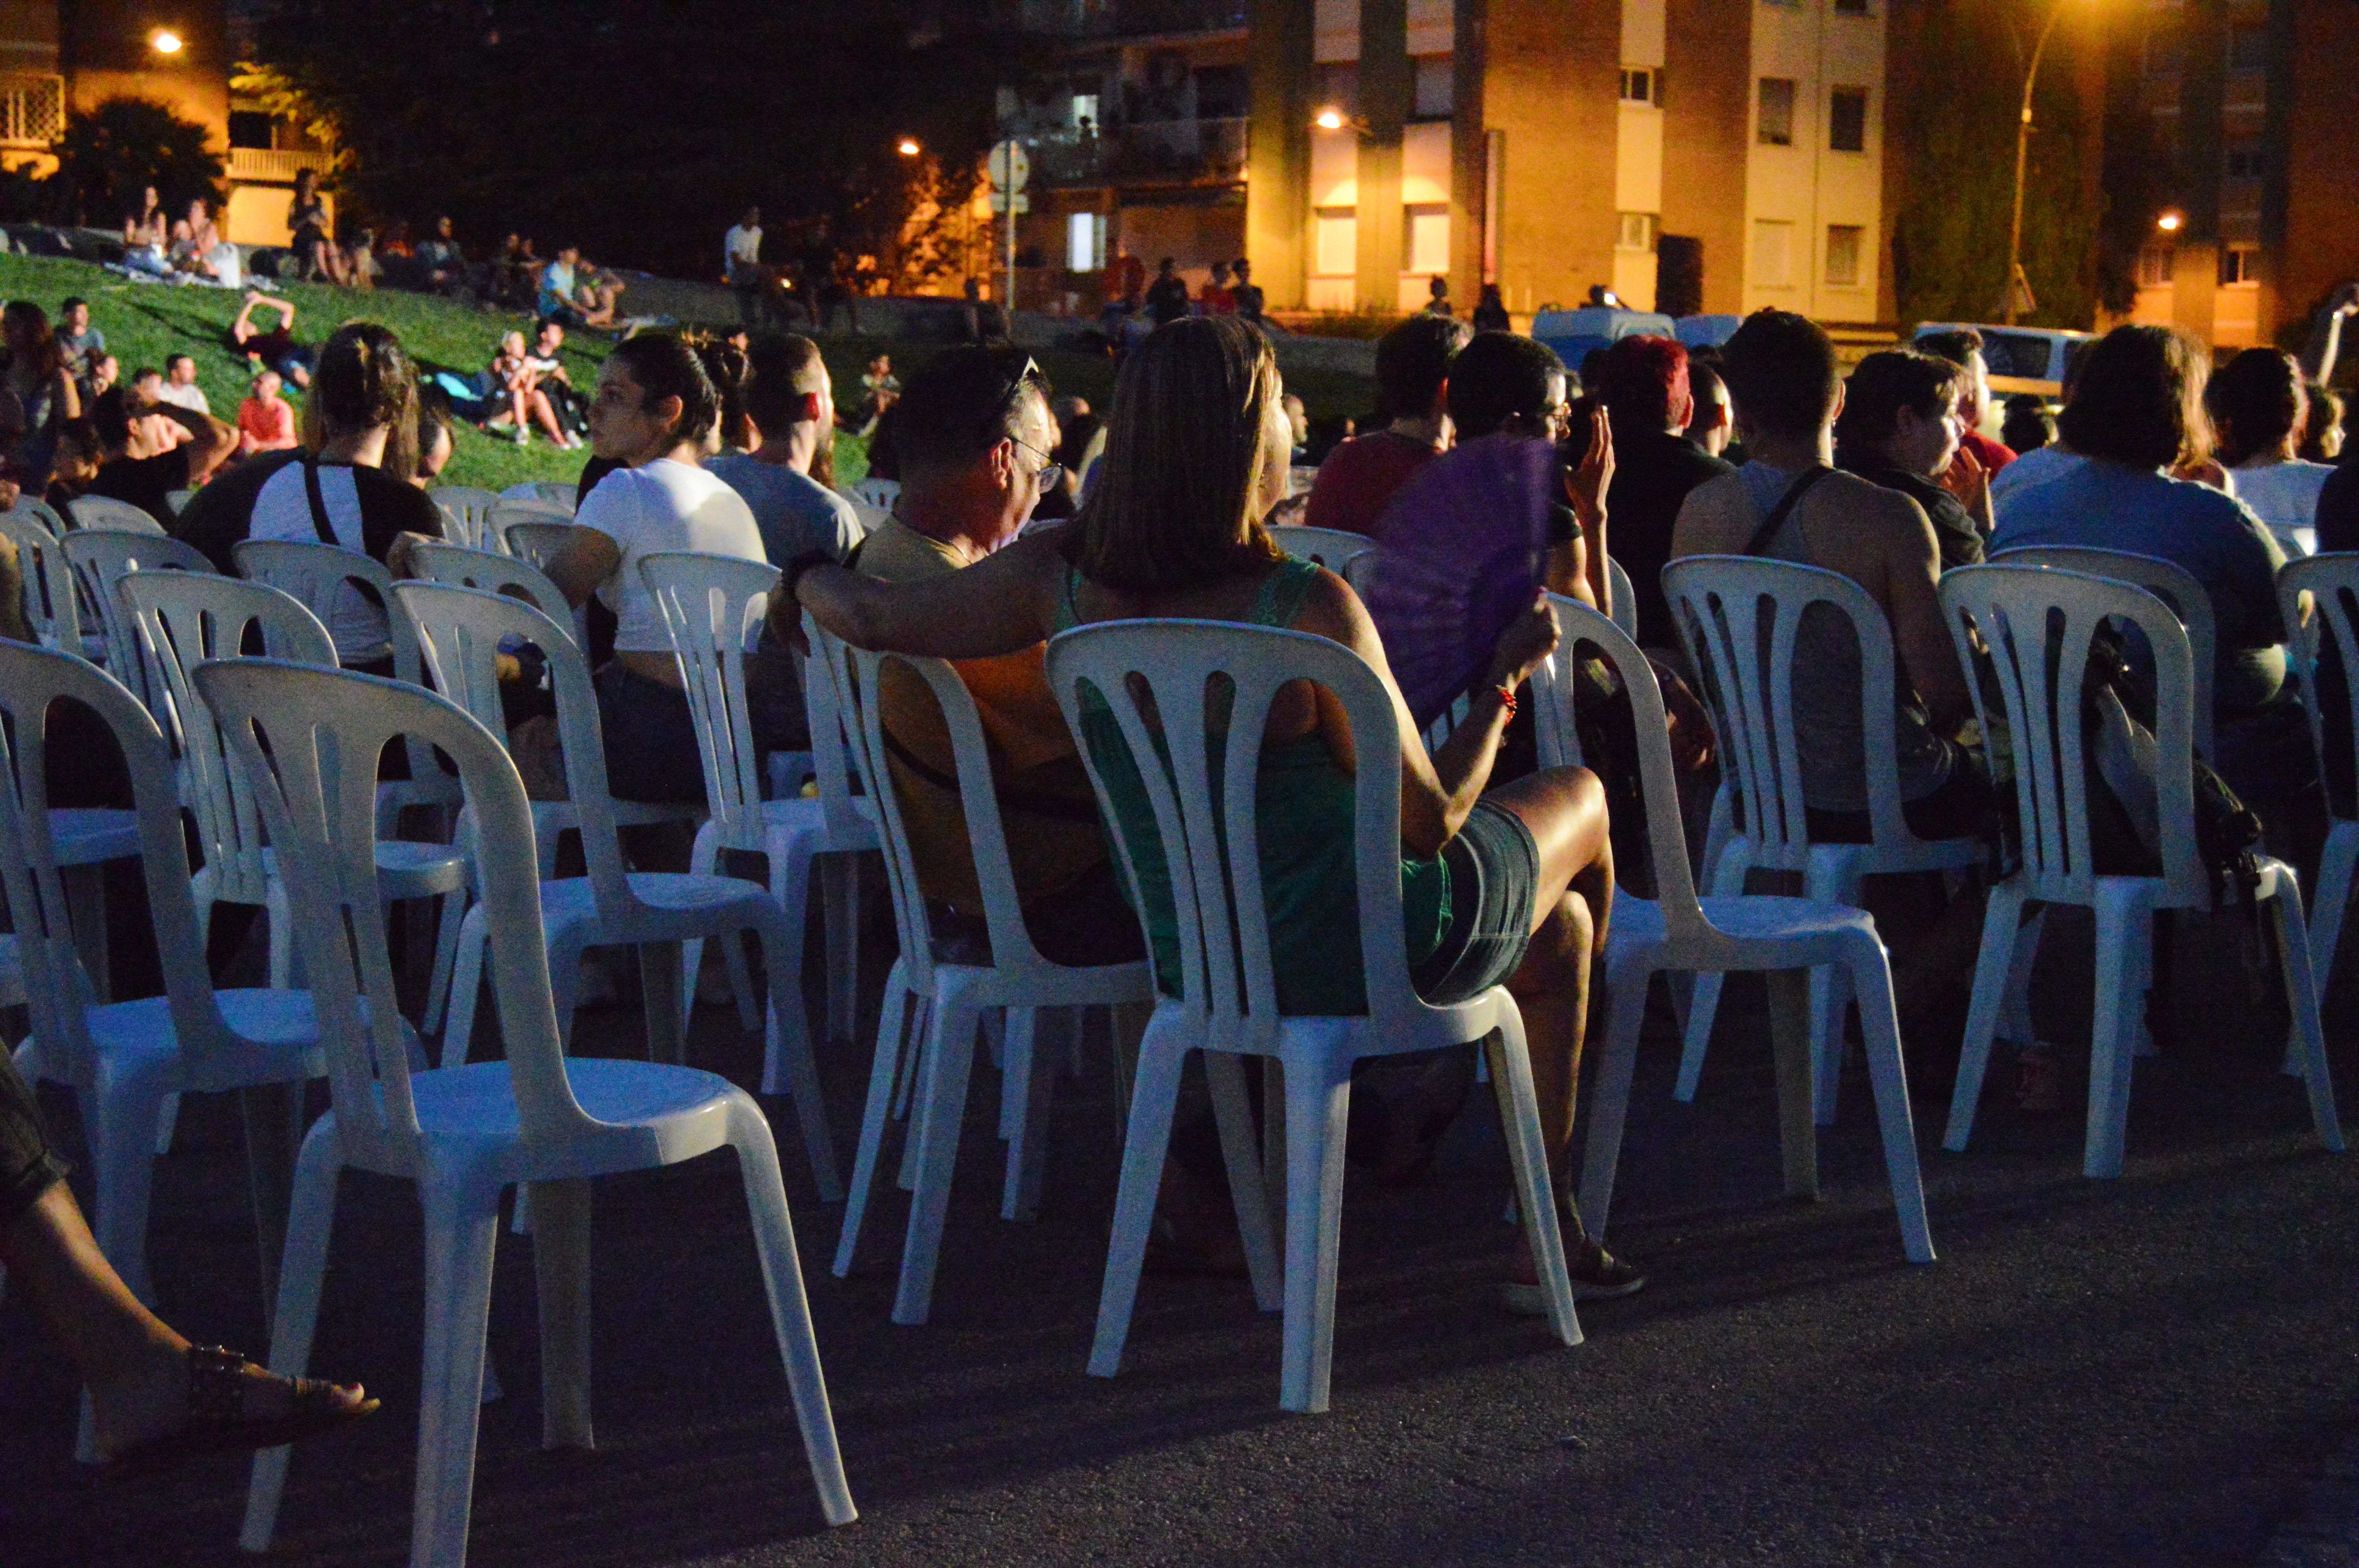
(1047, 474)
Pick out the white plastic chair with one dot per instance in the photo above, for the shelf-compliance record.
(462, 1134)
(948, 999)
(98, 556)
(39, 512)
(105, 512)
(713, 607)
(2332, 581)
(537, 539)
(2037, 623)
(178, 500)
(877, 495)
(1347, 555)
(1739, 616)
(460, 567)
(466, 514)
(2173, 584)
(460, 630)
(1625, 597)
(1223, 1001)
(124, 1060)
(51, 608)
(560, 493)
(1677, 933)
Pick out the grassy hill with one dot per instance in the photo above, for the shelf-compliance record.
(144, 322)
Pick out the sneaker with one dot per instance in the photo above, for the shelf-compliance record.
(1597, 1274)
(524, 437)
(2037, 1090)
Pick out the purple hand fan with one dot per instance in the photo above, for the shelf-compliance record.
(1459, 551)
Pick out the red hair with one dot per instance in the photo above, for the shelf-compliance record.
(1641, 380)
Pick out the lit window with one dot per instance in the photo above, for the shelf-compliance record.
(1847, 120)
(1428, 247)
(1336, 242)
(1086, 110)
(1640, 86)
(2154, 266)
(1637, 231)
(1843, 244)
(1777, 112)
(1085, 237)
(2240, 264)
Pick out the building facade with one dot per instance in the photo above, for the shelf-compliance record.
(1691, 154)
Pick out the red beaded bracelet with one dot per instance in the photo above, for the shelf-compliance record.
(1506, 698)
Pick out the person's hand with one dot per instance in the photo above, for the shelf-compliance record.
(2203, 471)
(399, 555)
(1968, 480)
(1683, 716)
(1527, 639)
(10, 491)
(1585, 486)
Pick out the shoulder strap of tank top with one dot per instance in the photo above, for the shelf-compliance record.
(1280, 598)
(1785, 507)
(319, 520)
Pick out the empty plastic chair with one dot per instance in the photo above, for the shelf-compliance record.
(1223, 999)
(39, 512)
(1676, 933)
(463, 1134)
(50, 607)
(99, 556)
(1338, 550)
(105, 512)
(537, 539)
(466, 514)
(2332, 581)
(2037, 624)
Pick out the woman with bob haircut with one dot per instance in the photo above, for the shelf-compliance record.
(2136, 414)
(2261, 410)
(1899, 428)
(1197, 452)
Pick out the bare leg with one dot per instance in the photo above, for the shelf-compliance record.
(544, 416)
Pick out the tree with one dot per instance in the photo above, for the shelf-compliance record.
(110, 155)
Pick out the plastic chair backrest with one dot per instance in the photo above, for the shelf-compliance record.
(1338, 550)
(859, 692)
(2036, 623)
(713, 607)
(105, 512)
(100, 555)
(183, 619)
(555, 492)
(1625, 597)
(1202, 785)
(56, 988)
(466, 514)
(537, 539)
(296, 731)
(877, 493)
(2167, 581)
(834, 743)
(1738, 616)
(39, 512)
(459, 629)
(50, 607)
(460, 567)
(2332, 581)
(178, 500)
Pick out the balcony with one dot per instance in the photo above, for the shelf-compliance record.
(1129, 19)
(32, 110)
(268, 166)
(1184, 152)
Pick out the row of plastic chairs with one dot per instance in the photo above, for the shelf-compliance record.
(479, 519)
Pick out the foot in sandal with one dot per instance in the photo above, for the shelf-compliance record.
(200, 1399)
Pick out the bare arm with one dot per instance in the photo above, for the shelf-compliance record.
(1912, 569)
(587, 558)
(211, 444)
(1000, 605)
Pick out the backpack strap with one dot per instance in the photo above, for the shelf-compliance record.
(1785, 507)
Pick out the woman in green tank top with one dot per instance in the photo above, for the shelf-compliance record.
(1513, 886)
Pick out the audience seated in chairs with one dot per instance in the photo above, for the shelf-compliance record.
(1647, 389)
(1196, 455)
(1358, 478)
(1899, 428)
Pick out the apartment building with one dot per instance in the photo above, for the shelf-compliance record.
(2253, 106)
(1691, 154)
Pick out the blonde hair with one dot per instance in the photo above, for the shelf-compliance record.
(1174, 501)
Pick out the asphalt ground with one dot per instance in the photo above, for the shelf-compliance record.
(2157, 1370)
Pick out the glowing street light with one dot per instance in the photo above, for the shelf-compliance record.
(2170, 223)
(909, 147)
(163, 40)
(1330, 119)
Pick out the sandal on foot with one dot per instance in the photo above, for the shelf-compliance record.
(217, 1423)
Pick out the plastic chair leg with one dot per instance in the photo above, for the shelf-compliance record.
(840, 891)
(660, 982)
(1318, 1105)
(2123, 927)
(1153, 1099)
(561, 1259)
(1879, 1026)
(702, 856)
(941, 1116)
(1511, 1066)
(882, 1074)
(453, 909)
(1833, 879)
(782, 1279)
(1727, 870)
(466, 989)
(2301, 1000)
(2333, 896)
(309, 1222)
(1224, 1074)
(2015, 1014)
(1609, 1097)
(461, 1229)
(787, 1048)
(2004, 933)
(1025, 1103)
(122, 1149)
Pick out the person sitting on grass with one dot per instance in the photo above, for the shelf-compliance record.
(155, 428)
(113, 454)
(266, 422)
(1514, 886)
(276, 349)
(83, 344)
(513, 387)
(181, 387)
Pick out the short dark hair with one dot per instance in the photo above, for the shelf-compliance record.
(1780, 371)
(171, 359)
(142, 374)
(961, 403)
(1498, 376)
(783, 374)
(1884, 384)
(1412, 362)
(665, 366)
(1704, 380)
(1641, 380)
(2256, 402)
(2139, 400)
(1954, 345)
(72, 300)
(2027, 425)
(110, 419)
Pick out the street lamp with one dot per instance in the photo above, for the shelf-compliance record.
(163, 40)
(909, 147)
(1329, 120)
(2017, 286)
(2171, 222)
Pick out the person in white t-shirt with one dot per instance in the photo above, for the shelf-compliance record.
(2261, 408)
(652, 412)
(742, 268)
(181, 387)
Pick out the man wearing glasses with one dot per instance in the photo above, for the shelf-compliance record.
(974, 435)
